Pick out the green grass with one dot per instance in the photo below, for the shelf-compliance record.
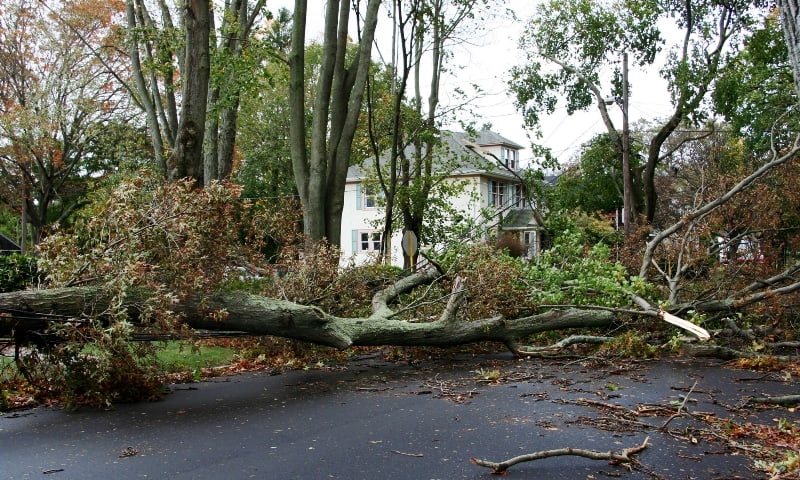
(8, 369)
(178, 356)
(173, 356)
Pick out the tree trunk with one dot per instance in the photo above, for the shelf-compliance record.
(187, 156)
(224, 99)
(142, 95)
(266, 316)
(790, 19)
(320, 172)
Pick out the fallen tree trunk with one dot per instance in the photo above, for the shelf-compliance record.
(28, 310)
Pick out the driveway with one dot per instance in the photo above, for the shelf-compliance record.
(371, 419)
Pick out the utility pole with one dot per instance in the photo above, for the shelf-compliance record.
(23, 244)
(627, 183)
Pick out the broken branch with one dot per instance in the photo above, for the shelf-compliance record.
(623, 457)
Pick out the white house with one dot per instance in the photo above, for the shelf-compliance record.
(488, 166)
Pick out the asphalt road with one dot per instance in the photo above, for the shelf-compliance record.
(376, 420)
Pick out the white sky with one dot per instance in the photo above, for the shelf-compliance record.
(488, 61)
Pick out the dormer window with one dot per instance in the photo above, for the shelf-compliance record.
(509, 157)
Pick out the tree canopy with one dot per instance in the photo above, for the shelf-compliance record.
(573, 56)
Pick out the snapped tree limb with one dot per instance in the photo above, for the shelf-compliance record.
(690, 327)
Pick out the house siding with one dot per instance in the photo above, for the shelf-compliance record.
(472, 202)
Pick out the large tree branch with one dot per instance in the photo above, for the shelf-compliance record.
(266, 316)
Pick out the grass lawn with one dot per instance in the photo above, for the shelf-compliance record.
(174, 356)
(177, 356)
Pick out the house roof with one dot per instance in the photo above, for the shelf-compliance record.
(522, 219)
(486, 138)
(7, 245)
(461, 154)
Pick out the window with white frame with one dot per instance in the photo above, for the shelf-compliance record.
(497, 194)
(369, 197)
(509, 157)
(529, 241)
(369, 240)
(516, 196)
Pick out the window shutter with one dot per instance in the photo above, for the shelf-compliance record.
(358, 197)
(355, 241)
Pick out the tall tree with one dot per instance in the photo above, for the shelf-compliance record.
(189, 82)
(582, 39)
(597, 170)
(233, 73)
(438, 23)
(61, 106)
(756, 92)
(263, 133)
(790, 19)
(186, 159)
(320, 170)
(424, 32)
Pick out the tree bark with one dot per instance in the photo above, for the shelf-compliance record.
(187, 156)
(321, 170)
(499, 468)
(33, 309)
(790, 19)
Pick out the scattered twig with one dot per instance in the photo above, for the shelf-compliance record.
(784, 401)
(374, 389)
(532, 351)
(447, 390)
(408, 454)
(680, 408)
(498, 468)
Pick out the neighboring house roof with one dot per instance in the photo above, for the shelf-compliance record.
(7, 245)
(487, 138)
(521, 219)
(461, 154)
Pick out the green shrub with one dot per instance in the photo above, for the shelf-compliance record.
(17, 272)
(169, 239)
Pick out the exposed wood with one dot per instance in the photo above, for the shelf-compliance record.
(499, 468)
(648, 309)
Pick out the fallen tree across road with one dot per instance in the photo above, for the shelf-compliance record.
(232, 310)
